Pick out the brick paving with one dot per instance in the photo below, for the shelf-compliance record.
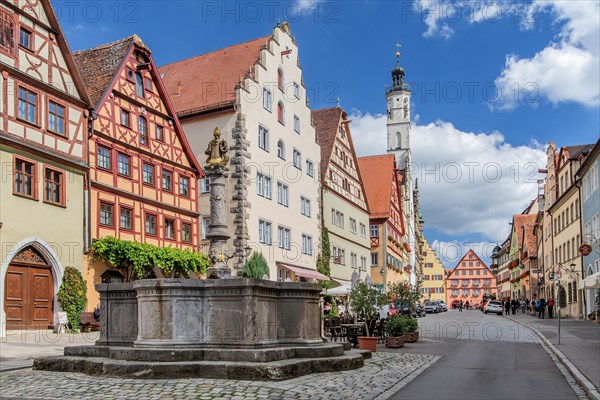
(383, 375)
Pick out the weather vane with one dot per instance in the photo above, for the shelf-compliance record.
(398, 45)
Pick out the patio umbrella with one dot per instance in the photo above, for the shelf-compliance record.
(592, 281)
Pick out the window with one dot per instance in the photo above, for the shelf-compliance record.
(307, 244)
(25, 178)
(123, 164)
(267, 99)
(296, 124)
(186, 232)
(339, 219)
(263, 185)
(304, 206)
(25, 39)
(310, 168)
(280, 79)
(148, 84)
(281, 113)
(143, 131)
(363, 230)
(263, 138)
(151, 224)
(139, 84)
(374, 259)
(296, 90)
(205, 185)
(281, 149)
(148, 174)
(353, 260)
(353, 225)
(464, 272)
(282, 194)
(184, 186)
(126, 218)
(374, 230)
(333, 220)
(27, 105)
(477, 264)
(470, 272)
(104, 158)
(283, 236)
(264, 231)
(160, 133)
(125, 118)
(7, 27)
(53, 186)
(470, 263)
(363, 263)
(204, 227)
(297, 159)
(167, 180)
(106, 214)
(56, 118)
(169, 229)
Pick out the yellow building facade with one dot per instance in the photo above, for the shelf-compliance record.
(433, 275)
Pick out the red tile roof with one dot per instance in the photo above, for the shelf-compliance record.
(208, 81)
(377, 173)
(99, 65)
(524, 223)
(326, 122)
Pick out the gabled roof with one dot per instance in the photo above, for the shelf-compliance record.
(208, 81)
(99, 65)
(476, 258)
(326, 122)
(573, 152)
(379, 171)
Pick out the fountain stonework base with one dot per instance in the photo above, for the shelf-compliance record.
(224, 328)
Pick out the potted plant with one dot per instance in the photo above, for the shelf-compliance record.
(394, 328)
(366, 300)
(411, 329)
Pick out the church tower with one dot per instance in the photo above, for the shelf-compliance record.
(398, 144)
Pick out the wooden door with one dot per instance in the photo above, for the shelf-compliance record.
(28, 292)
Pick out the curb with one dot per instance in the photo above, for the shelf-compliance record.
(588, 387)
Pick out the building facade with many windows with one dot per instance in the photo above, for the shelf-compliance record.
(143, 174)
(254, 93)
(433, 277)
(43, 150)
(470, 280)
(345, 208)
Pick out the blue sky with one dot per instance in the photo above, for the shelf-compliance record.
(455, 56)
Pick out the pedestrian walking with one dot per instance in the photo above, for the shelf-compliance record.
(541, 306)
(507, 306)
(513, 306)
(550, 308)
(460, 306)
(523, 306)
(533, 306)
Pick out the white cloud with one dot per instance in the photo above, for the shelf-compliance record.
(470, 183)
(566, 70)
(307, 5)
(450, 253)
(434, 15)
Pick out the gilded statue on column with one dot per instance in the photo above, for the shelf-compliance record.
(217, 150)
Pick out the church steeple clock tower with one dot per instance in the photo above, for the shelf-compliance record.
(398, 116)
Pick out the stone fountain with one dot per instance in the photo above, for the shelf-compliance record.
(221, 327)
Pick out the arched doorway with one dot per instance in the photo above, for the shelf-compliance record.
(29, 291)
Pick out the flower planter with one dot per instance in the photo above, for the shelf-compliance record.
(394, 342)
(367, 343)
(411, 337)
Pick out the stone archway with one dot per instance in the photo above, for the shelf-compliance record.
(29, 252)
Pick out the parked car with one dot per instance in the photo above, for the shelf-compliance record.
(493, 306)
(455, 303)
(420, 310)
(432, 307)
(442, 304)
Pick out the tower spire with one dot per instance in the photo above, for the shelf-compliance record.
(397, 72)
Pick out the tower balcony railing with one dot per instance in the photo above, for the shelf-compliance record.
(402, 86)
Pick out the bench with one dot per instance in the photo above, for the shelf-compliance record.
(88, 323)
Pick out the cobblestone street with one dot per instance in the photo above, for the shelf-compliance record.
(382, 376)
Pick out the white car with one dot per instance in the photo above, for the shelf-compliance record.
(493, 306)
(443, 305)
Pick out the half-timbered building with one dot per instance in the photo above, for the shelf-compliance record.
(470, 280)
(387, 231)
(143, 174)
(345, 208)
(43, 150)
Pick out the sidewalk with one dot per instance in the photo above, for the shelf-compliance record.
(579, 341)
(19, 348)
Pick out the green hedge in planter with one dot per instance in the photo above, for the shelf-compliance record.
(138, 260)
(72, 296)
(394, 326)
(411, 325)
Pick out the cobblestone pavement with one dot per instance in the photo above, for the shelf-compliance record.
(383, 375)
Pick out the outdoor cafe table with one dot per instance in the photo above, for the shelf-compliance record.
(353, 331)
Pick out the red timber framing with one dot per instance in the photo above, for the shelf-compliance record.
(119, 150)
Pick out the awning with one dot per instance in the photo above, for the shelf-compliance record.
(591, 282)
(339, 291)
(303, 272)
(341, 282)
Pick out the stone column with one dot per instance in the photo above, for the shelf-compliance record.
(217, 229)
